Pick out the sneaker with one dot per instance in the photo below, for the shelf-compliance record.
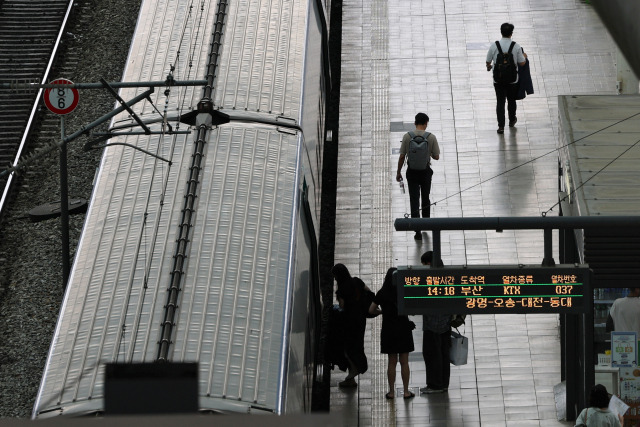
(348, 383)
(418, 235)
(512, 123)
(427, 390)
(501, 130)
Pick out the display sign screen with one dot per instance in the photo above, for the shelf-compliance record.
(492, 289)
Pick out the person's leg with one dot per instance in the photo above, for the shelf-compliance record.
(425, 348)
(349, 381)
(353, 369)
(445, 345)
(425, 189)
(434, 360)
(404, 372)
(512, 92)
(501, 96)
(391, 373)
(413, 183)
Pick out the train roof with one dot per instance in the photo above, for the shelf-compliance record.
(237, 280)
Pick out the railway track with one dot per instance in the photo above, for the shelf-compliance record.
(93, 45)
(31, 35)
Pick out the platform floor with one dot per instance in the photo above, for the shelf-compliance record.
(406, 56)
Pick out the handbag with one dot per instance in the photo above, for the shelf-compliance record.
(457, 320)
(459, 348)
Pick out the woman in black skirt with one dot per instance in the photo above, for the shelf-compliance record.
(396, 338)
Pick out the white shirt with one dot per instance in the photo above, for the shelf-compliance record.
(518, 55)
(596, 417)
(625, 313)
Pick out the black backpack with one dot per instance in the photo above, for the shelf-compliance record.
(505, 70)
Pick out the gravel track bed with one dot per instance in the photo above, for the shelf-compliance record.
(31, 288)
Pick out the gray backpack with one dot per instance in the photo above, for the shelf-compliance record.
(418, 153)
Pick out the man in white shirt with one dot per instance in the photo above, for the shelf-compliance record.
(624, 314)
(506, 91)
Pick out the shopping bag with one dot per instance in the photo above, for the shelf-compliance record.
(459, 349)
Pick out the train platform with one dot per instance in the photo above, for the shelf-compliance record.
(400, 58)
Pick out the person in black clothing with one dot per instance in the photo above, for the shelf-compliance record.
(436, 343)
(353, 299)
(396, 338)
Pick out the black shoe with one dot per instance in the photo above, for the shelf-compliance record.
(348, 383)
(501, 130)
(418, 235)
(512, 123)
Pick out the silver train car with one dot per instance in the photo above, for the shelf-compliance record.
(203, 248)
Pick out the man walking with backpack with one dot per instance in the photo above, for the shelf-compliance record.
(418, 148)
(505, 55)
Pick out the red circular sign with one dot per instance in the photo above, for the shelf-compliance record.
(60, 100)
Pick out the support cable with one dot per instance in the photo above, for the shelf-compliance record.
(590, 178)
(147, 247)
(537, 158)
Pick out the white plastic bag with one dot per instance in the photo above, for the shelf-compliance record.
(459, 349)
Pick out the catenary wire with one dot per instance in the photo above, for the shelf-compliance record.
(591, 177)
(541, 156)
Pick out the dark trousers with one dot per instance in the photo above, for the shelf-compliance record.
(435, 351)
(508, 93)
(419, 183)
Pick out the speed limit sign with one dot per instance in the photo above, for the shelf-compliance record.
(60, 100)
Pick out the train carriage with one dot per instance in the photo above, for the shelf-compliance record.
(206, 251)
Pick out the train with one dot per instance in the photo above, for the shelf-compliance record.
(200, 244)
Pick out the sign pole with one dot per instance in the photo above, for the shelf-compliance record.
(64, 207)
(61, 101)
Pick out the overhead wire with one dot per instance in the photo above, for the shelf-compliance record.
(194, 45)
(544, 155)
(148, 237)
(590, 178)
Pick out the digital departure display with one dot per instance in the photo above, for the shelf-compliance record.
(492, 289)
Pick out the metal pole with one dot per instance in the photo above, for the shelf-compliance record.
(115, 112)
(516, 223)
(437, 254)
(64, 207)
(548, 261)
(17, 85)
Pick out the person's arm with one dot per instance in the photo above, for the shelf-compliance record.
(399, 174)
(374, 309)
(435, 148)
(489, 59)
(610, 325)
(524, 61)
